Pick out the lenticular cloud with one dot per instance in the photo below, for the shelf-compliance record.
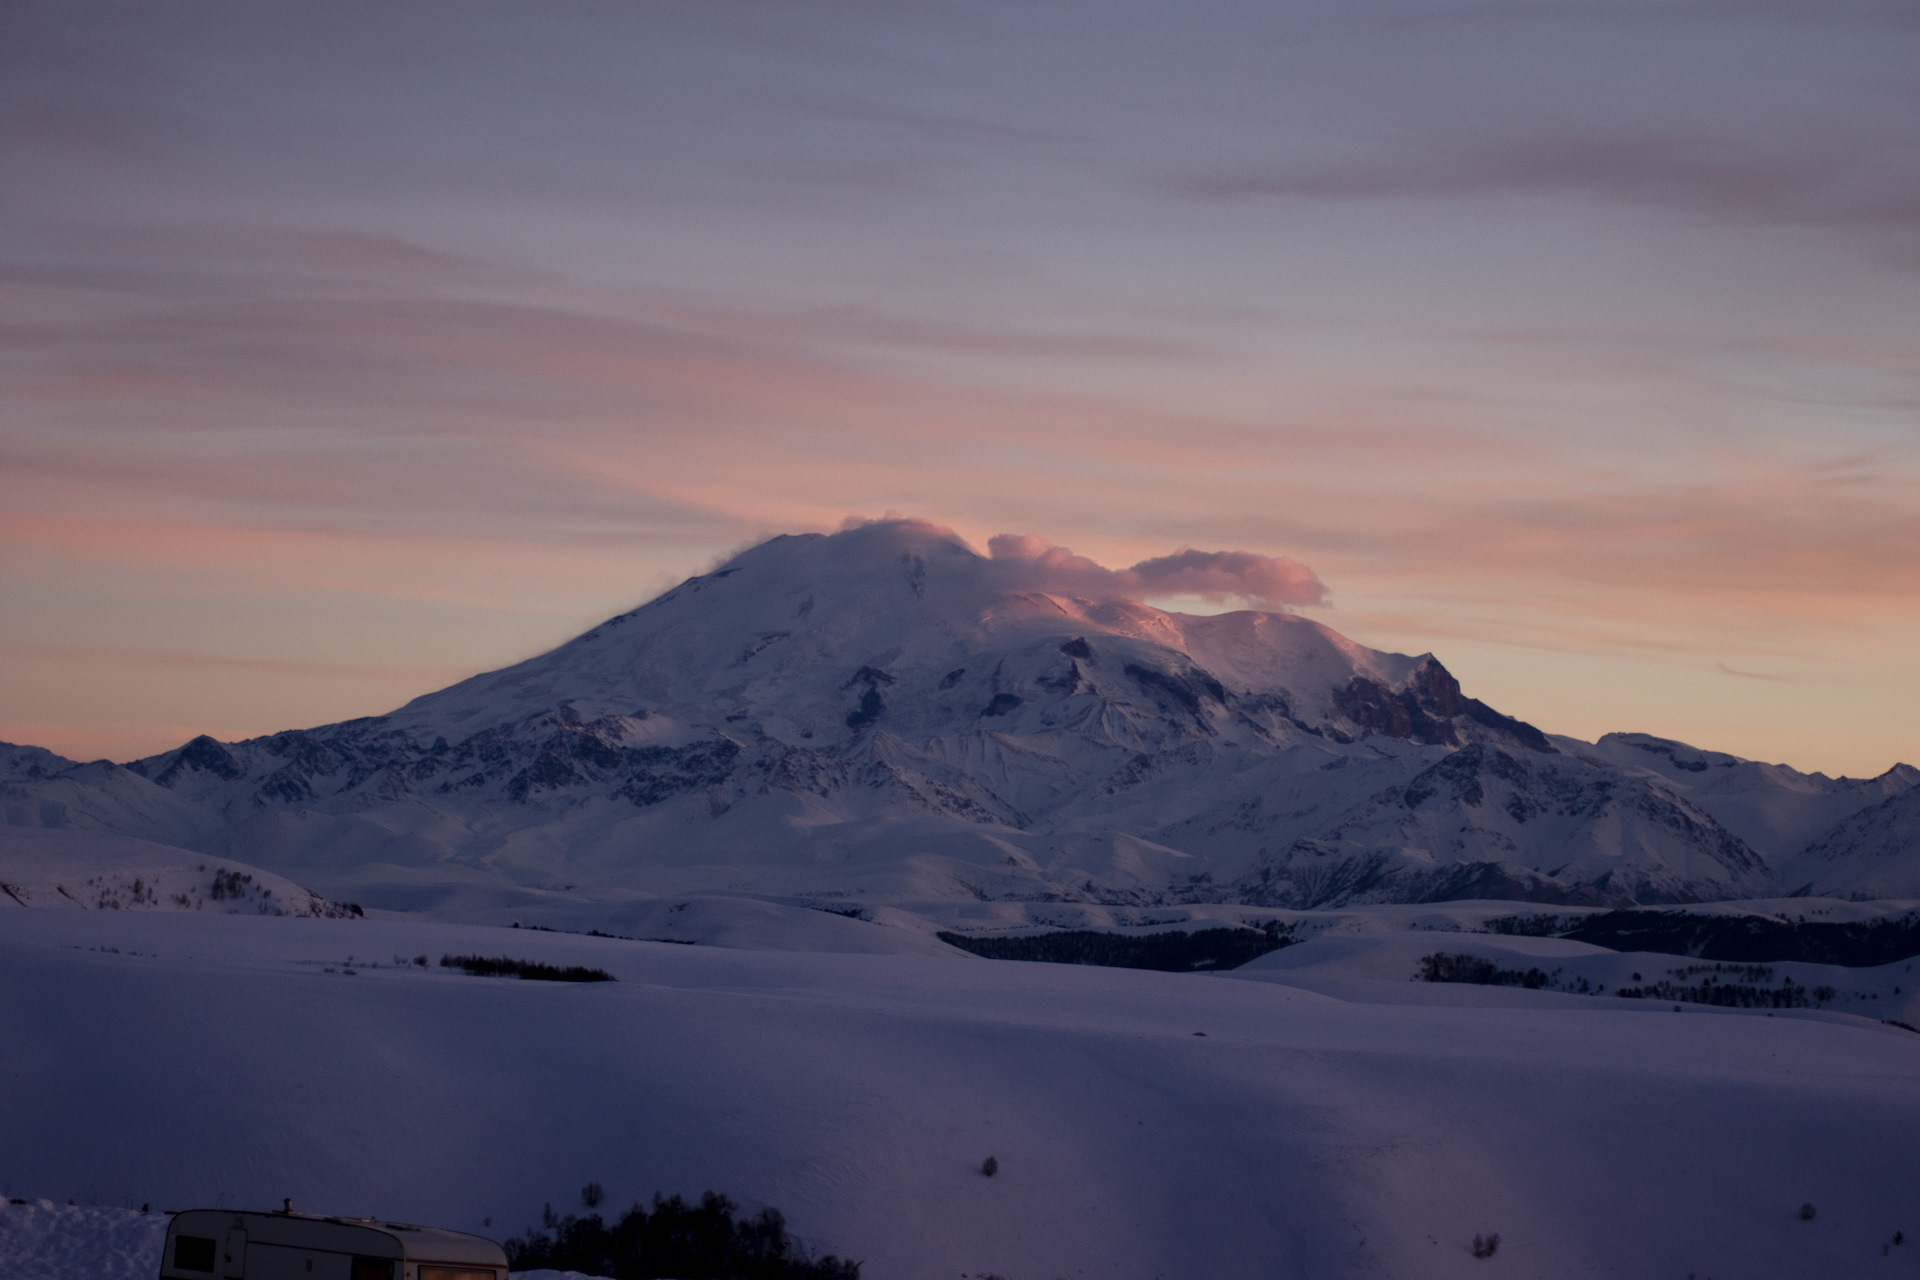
(1034, 564)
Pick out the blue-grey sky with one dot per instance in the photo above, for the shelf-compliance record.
(349, 348)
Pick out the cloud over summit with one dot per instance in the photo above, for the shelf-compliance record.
(1033, 564)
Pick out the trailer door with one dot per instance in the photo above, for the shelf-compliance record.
(234, 1255)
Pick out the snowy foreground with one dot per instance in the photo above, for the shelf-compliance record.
(1144, 1124)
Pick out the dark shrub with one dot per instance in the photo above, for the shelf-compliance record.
(708, 1241)
(1457, 967)
(507, 967)
(1754, 939)
(1175, 951)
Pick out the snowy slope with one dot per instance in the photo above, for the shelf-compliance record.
(1874, 853)
(1300, 1135)
(885, 716)
(87, 871)
(1775, 809)
(41, 789)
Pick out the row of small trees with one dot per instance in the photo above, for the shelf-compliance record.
(508, 967)
(707, 1241)
(1444, 966)
(1172, 951)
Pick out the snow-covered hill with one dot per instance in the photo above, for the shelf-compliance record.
(885, 716)
(92, 871)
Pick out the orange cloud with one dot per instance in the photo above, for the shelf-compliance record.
(1033, 564)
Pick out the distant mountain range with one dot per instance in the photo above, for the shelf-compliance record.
(884, 716)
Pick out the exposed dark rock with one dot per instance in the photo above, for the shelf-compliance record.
(205, 755)
(1188, 690)
(284, 787)
(1461, 776)
(1427, 709)
(551, 770)
(661, 773)
(1074, 681)
(760, 643)
(871, 705)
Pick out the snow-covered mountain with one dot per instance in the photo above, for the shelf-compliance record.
(887, 716)
(1777, 810)
(1875, 853)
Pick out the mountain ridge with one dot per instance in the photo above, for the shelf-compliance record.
(884, 714)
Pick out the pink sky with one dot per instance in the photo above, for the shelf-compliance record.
(343, 354)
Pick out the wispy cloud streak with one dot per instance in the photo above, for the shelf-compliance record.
(1725, 179)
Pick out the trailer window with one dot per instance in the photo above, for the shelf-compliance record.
(192, 1253)
(456, 1273)
(372, 1269)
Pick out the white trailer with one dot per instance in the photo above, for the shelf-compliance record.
(222, 1244)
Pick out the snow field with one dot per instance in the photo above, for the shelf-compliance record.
(189, 1059)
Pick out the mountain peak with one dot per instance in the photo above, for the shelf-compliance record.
(887, 712)
(772, 631)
